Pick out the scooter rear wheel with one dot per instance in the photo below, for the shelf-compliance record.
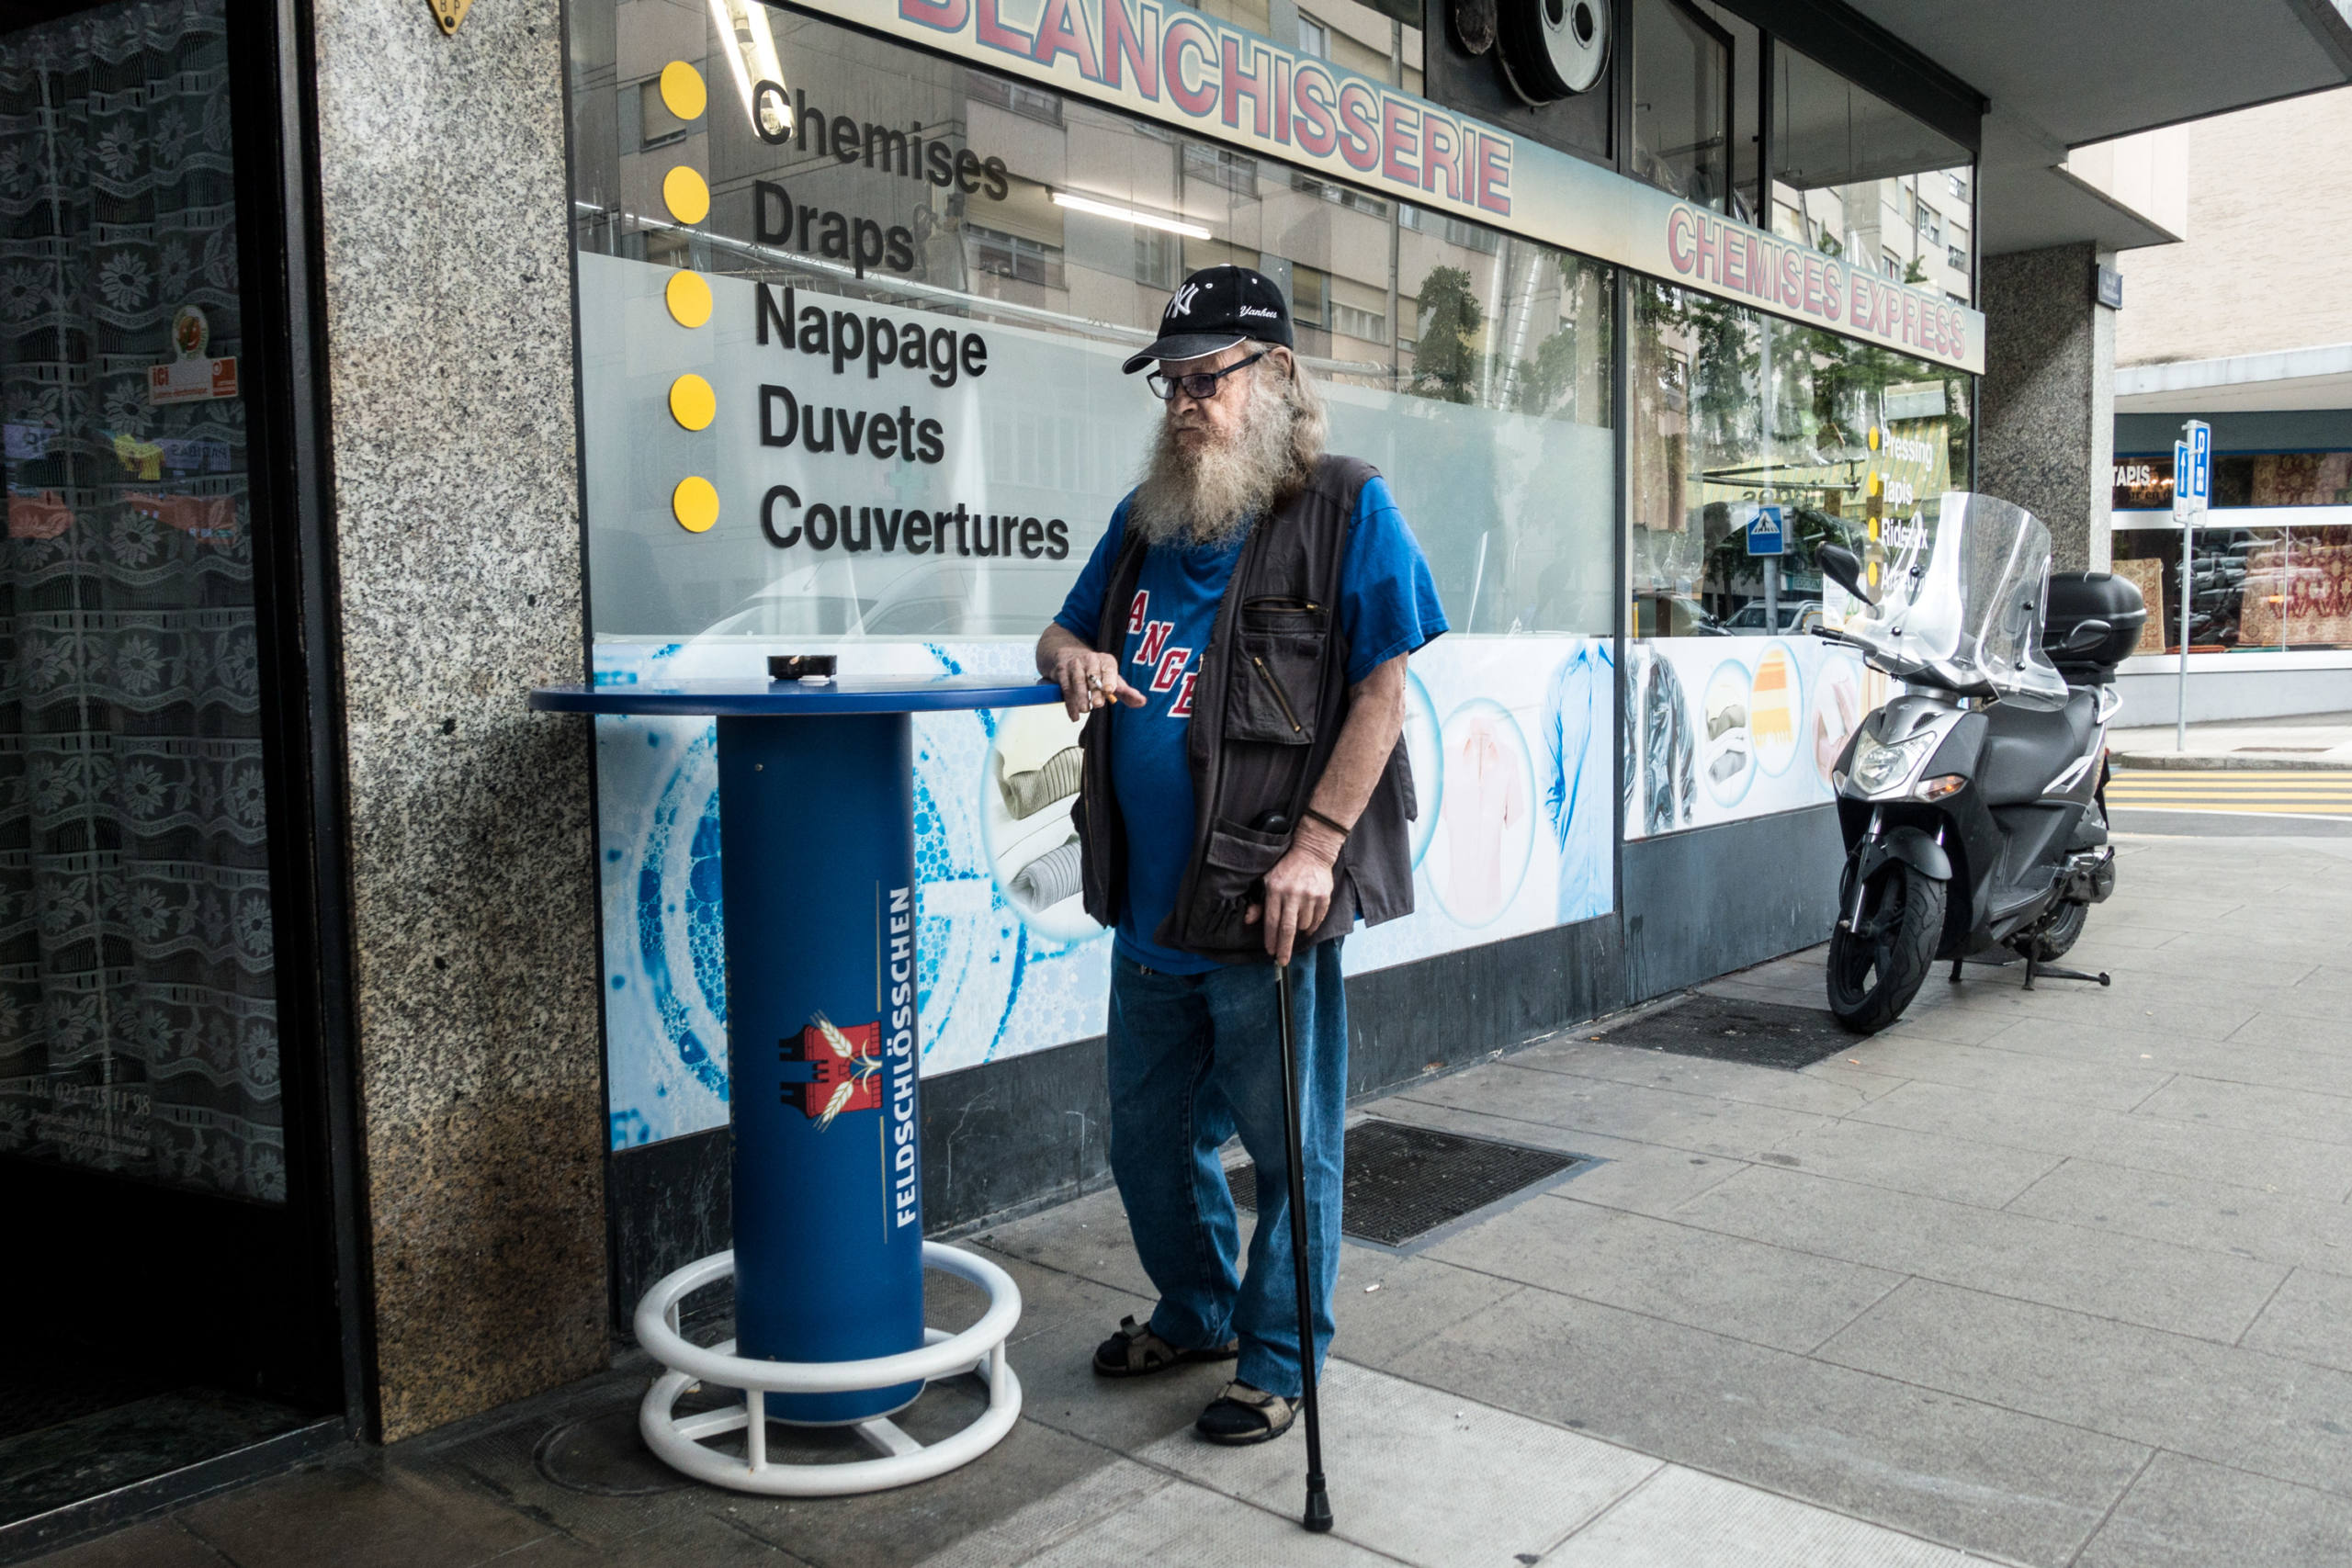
(1873, 978)
(2061, 929)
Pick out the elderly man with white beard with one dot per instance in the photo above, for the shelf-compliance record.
(1236, 643)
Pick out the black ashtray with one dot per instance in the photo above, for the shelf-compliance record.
(800, 666)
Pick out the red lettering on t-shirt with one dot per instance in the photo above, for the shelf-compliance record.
(1172, 664)
(1155, 638)
(1136, 611)
(1182, 707)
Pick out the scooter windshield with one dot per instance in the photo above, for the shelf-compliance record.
(1960, 599)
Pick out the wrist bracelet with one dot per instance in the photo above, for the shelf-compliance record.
(1328, 823)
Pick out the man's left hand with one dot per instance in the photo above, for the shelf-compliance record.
(1298, 891)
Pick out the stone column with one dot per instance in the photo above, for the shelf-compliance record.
(2045, 424)
(444, 212)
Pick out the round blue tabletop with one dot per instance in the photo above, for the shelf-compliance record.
(756, 698)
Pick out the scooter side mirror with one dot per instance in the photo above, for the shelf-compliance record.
(2085, 636)
(1844, 568)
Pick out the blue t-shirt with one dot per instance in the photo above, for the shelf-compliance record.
(1388, 606)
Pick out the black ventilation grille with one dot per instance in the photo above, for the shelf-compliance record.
(1729, 1028)
(1404, 1181)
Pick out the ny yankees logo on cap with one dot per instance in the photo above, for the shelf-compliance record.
(1215, 309)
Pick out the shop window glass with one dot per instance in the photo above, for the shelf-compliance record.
(1489, 412)
(138, 1009)
(1849, 171)
(1733, 409)
(1681, 102)
(1747, 60)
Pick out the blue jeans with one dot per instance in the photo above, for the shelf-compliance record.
(1196, 1058)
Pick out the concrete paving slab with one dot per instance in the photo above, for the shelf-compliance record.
(1949, 1022)
(1744, 1289)
(1976, 1066)
(1428, 1477)
(2208, 1295)
(1192, 1525)
(1682, 1518)
(2183, 1005)
(1699, 1122)
(2184, 1513)
(1692, 1075)
(1644, 1177)
(2293, 1031)
(2320, 1118)
(878, 1530)
(1053, 1518)
(1086, 1238)
(160, 1543)
(2277, 1418)
(1387, 1304)
(358, 1511)
(2145, 1142)
(1841, 1070)
(2309, 1320)
(1953, 1470)
(2277, 1227)
(1904, 1160)
(704, 1541)
(2247, 1058)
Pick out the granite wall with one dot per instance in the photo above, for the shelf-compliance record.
(2045, 427)
(442, 205)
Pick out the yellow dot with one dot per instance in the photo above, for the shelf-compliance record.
(695, 504)
(688, 298)
(691, 402)
(687, 197)
(682, 90)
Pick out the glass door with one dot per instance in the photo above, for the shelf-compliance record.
(144, 1177)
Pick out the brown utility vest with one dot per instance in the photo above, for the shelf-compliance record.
(1268, 700)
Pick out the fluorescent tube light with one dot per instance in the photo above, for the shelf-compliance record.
(750, 47)
(1129, 215)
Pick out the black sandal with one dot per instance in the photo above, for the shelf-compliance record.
(1243, 1414)
(1136, 1352)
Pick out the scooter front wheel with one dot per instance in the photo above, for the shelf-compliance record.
(1876, 967)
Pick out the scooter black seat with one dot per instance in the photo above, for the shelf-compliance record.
(2025, 748)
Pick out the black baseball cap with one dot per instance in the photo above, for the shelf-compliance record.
(1215, 309)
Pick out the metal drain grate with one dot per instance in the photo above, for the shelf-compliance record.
(1404, 1181)
(1728, 1028)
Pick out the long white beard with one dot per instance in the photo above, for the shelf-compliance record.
(1206, 497)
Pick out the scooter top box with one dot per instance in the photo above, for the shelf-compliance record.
(2079, 596)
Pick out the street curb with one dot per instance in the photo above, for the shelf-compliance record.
(2208, 762)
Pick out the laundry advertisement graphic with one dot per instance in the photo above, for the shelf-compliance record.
(1509, 739)
(1724, 729)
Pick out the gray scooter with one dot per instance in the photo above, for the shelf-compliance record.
(1972, 803)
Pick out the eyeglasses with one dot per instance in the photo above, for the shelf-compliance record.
(1200, 386)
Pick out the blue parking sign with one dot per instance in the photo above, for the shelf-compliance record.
(1764, 535)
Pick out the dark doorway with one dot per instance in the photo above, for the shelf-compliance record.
(164, 1176)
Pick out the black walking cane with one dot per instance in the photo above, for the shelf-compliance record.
(1319, 1502)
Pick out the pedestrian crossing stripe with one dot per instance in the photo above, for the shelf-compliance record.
(2275, 791)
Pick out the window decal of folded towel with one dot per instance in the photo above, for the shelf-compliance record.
(1048, 879)
(1027, 794)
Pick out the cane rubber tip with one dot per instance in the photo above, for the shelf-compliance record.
(1319, 1513)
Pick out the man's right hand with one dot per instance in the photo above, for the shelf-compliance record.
(1090, 680)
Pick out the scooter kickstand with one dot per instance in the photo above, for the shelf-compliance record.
(1955, 969)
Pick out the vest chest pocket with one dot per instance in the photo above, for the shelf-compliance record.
(1270, 695)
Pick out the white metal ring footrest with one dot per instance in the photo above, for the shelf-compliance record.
(679, 1440)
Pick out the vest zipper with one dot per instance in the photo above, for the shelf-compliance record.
(1282, 698)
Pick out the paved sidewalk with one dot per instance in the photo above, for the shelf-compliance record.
(2306, 740)
(2059, 1279)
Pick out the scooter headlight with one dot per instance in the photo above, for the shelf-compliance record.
(1881, 766)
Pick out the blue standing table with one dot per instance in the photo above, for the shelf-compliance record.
(817, 876)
